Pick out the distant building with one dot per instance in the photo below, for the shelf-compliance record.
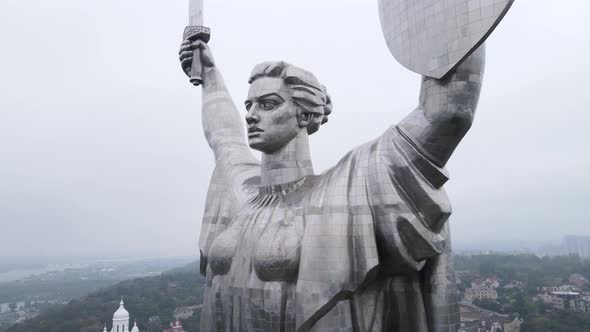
(475, 319)
(577, 280)
(580, 305)
(562, 288)
(491, 282)
(477, 283)
(470, 253)
(480, 293)
(121, 321)
(490, 324)
(552, 300)
(515, 285)
(175, 327)
(577, 245)
(566, 300)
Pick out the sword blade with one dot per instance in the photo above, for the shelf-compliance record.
(195, 12)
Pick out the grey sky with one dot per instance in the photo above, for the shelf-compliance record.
(101, 144)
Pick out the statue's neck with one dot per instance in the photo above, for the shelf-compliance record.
(289, 164)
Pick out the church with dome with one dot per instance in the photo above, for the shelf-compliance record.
(121, 321)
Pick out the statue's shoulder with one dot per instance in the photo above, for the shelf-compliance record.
(234, 181)
(350, 170)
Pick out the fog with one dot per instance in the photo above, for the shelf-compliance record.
(103, 155)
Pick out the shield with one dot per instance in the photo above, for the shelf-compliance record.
(432, 37)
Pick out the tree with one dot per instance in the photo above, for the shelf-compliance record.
(13, 306)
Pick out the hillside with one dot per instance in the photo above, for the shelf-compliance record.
(144, 298)
(524, 283)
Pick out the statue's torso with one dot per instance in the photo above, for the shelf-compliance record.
(254, 263)
(335, 251)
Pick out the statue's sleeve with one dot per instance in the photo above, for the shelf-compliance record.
(408, 202)
(380, 211)
(411, 210)
(235, 180)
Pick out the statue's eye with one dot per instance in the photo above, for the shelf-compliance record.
(268, 105)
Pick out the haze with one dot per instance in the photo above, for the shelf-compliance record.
(102, 151)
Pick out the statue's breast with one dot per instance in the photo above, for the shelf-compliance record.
(223, 250)
(277, 253)
(265, 238)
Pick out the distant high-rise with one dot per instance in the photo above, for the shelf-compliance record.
(577, 245)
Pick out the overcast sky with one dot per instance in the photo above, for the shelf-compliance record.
(102, 151)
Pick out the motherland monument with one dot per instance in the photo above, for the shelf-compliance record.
(364, 246)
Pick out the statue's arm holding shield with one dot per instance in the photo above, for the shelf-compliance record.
(435, 128)
(446, 109)
(442, 41)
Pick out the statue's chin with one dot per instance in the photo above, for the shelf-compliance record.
(259, 145)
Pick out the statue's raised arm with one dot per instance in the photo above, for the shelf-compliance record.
(223, 124)
(443, 41)
(237, 172)
(446, 109)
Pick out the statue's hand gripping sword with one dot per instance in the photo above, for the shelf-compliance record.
(193, 32)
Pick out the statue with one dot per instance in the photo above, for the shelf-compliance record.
(364, 246)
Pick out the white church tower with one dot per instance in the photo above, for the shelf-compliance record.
(121, 319)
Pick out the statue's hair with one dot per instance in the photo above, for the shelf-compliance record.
(306, 90)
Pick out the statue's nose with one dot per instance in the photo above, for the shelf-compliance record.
(251, 117)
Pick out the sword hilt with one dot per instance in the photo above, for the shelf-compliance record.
(194, 33)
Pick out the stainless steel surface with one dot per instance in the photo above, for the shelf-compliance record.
(431, 37)
(196, 31)
(195, 12)
(364, 246)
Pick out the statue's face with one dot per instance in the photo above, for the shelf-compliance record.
(272, 115)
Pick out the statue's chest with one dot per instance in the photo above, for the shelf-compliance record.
(263, 239)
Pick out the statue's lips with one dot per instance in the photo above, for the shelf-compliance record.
(254, 131)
